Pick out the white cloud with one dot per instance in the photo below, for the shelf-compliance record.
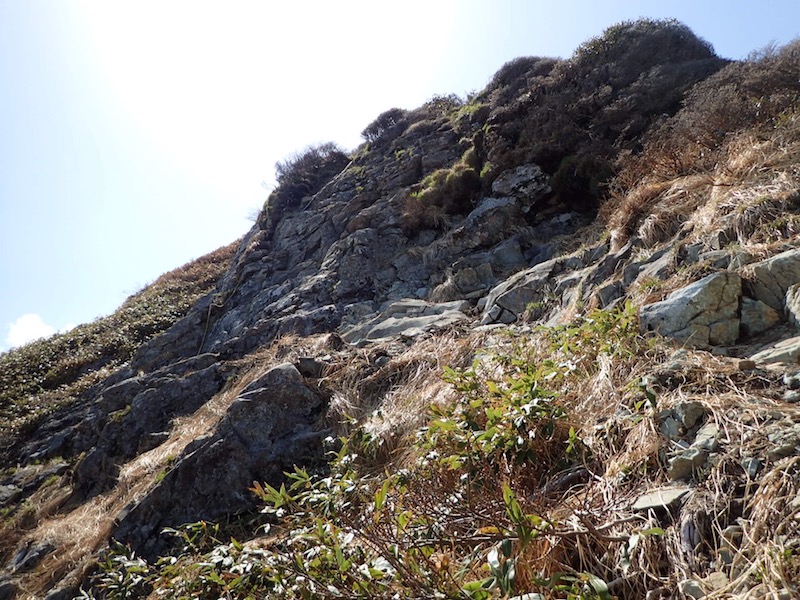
(26, 329)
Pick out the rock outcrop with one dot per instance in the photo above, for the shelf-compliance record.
(701, 314)
(272, 423)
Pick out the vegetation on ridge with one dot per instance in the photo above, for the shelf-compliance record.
(47, 374)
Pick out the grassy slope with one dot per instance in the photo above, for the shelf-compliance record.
(42, 376)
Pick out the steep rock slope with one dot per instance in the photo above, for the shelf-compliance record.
(460, 217)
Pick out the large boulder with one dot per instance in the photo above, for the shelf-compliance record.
(529, 183)
(407, 319)
(134, 416)
(701, 314)
(785, 351)
(509, 299)
(793, 304)
(772, 278)
(757, 317)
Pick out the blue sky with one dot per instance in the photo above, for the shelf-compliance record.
(135, 136)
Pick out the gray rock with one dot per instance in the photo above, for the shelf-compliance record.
(9, 493)
(526, 182)
(408, 327)
(785, 444)
(691, 588)
(610, 293)
(8, 590)
(792, 380)
(662, 498)
(310, 366)
(659, 266)
(497, 314)
(172, 391)
(30, 555)
(508, 254)
(691, 253)
(700, 314)
(538, 254)
(690, 413)
(408, 318)
(671, 428)
(68, 592)
(784, 351)
(731, 536)
(609, 264)
(267, 429)
(515, 293)
(686, 463)
(791, 396)
(774, 276)
(740, 259)
(707, 438)
(793, 304)
(757, 317)
(467, 280)
(719, 259)
(485, 273)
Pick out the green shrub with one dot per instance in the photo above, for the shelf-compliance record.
(304, 174)
(387, 126)
(442, 193)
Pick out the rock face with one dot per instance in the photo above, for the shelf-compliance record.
(701, 314)
(265, 430)
(509, 299)
(129, 417)
(785, 351)
(793, 304)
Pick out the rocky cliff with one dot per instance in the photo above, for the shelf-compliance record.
(599, 252)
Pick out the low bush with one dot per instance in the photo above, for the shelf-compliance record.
(760, 95)
(305, 173)
(443, 193)
(387, 126)
(596, 104)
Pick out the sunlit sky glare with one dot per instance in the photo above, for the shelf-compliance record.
(135, 136)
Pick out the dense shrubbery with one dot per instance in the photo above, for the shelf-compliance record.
(588, 109)
(628, 49)
(514, 77)
(760, 95)
(305, 173)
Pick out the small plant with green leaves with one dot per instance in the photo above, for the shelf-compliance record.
(122, 575)
(612, 332)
